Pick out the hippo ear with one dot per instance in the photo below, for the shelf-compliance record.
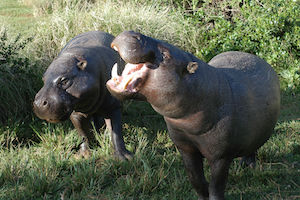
(164, 51)
(185, 69)
(192, 67)
(82, 63)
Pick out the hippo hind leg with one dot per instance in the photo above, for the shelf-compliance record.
(248, 161)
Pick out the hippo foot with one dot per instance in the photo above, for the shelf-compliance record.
(123, 155)
(248, 161)
(84, 152)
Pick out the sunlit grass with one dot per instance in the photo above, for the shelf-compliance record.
(16, 15)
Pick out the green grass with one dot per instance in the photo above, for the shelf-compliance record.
(37, 158)
(16, 15)
(47, 169)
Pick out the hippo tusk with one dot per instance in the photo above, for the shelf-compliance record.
(114, 71)
(115, 48)
(127, 82)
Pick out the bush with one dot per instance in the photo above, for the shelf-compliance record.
(266, 28)
(19, 78)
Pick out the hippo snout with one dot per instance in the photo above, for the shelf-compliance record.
(40, 104)
(41, 107)
(51, 107)
(135, 48)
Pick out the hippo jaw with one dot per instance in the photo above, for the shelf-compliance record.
(130, 82)
(51, 116)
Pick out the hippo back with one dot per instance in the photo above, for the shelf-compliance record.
(247, 68)
(255, 94)
(89, 39)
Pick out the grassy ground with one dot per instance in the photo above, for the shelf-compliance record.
(37, 158)
(16, 15)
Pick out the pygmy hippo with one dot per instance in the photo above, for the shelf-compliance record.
(219, 111)
(74, 87)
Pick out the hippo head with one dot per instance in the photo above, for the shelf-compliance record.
(154, 68)
(67, 86)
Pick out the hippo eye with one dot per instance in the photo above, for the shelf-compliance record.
(64, 80)
(64, 83)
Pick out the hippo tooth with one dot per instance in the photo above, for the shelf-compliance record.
(126, 83)
(115, 48)
(114, 71)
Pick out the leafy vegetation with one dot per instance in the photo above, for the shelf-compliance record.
(37, 158)
(19, 77)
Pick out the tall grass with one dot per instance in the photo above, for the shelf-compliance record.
(113, 17)
(45, 7)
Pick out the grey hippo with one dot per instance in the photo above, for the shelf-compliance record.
(220, 110)
(75, 88)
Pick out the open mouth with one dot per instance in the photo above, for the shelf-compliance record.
(131, 80)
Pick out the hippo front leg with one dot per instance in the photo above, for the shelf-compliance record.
(192, 160)
(219, 175)
(193, 163)
(113, 125)
(84, 128)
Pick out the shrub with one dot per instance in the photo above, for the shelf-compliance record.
(266, 28)
(19, 78)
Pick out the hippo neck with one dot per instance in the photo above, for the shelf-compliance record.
(198, 92)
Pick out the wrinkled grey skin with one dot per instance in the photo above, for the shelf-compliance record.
(219, 111)
(74, 87)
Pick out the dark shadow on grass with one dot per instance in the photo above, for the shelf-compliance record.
(269, 180)
(290, 106)
(141, 114)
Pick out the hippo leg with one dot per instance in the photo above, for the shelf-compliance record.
(193, 163)
(84, 128)
(248, 161)
(113, 125)
(219, 175)
(192, 160)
